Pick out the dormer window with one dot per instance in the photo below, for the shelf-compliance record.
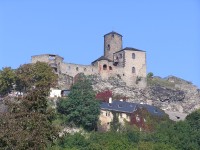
(119, 106)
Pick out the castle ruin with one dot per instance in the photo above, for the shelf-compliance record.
(128, 64)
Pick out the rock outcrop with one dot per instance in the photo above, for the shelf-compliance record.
(170, 93)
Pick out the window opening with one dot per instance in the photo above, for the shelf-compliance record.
(133, 69)
(110, 68)
(105, 67)
(108, 47)
(133, 55)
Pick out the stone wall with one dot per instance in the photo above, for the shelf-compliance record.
(112, 44)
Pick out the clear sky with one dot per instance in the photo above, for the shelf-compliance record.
(168, 30)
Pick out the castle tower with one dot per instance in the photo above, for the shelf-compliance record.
(112, 44)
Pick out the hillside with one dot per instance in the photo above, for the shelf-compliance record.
(171, 93)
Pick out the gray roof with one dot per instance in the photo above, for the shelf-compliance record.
(119, 106)
(113, 32)
(102, 58)
(127, 107)
(131, 49)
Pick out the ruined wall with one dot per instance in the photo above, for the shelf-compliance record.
(74, 69)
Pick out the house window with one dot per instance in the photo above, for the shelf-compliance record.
(133, 69)
(113, 35)
(133, 55)
(85, 69)
(137, 118)
(120, 115)
(104, 67)
(69, 67)
(76, 68)
(108, 47)
(110, 68)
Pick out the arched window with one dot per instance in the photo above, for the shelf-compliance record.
(104, 67)
(110, 68)
(108, 47)
(133, 55)
(76, 68)
(133, 69)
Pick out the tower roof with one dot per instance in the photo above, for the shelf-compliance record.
(130, 49)
(113, 32)
(102, 58)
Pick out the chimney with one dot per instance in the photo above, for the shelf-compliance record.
(110, 100)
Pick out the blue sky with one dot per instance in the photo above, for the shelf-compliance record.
(168, 30)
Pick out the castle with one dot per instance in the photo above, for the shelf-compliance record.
(128, 64)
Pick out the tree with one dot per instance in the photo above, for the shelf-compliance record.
(194, 119)
(38, 75)
(81, 107)
(27, 123)
(7, 80)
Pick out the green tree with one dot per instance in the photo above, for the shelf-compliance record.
(194, 119)
(27, 123)
(81, 107)
(7, 80)
(38, 75)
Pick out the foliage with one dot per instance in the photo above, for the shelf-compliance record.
(194, 119)
(115, 124)
(38, 75)
(104, 95)
(7, 80)
(27, 123)
(150, 75)
(81, 107)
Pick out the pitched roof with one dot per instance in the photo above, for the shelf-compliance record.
(127, 107)
(102, 58)
(131, 49)
(119, 106)
(113, 32)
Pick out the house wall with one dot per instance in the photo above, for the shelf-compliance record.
(55, 93)
(106, 117)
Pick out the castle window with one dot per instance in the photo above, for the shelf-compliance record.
(110, 68)
(133, 69)
(120, 55)
(76, 68)
(133, 55)
(108, 47)
(104, 67)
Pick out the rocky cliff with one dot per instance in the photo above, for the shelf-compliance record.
(170, 93)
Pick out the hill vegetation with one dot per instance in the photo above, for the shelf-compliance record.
(28, 122)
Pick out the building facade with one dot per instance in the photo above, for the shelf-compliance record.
(128, 64)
